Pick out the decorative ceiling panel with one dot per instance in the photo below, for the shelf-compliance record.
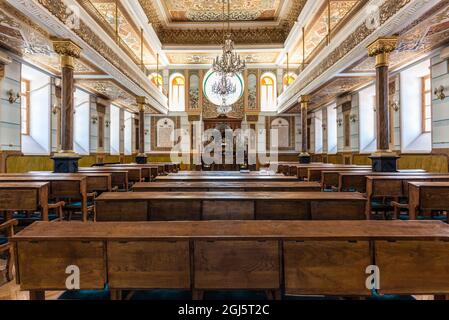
(207, 58)
(421, 37)
(211, 10)
(202, 18)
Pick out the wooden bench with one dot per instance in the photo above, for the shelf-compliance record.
(428, 196)
(61, 187)
(208, 178)
(395, 186)
(298, 257)
(250, 186)
(193, 206)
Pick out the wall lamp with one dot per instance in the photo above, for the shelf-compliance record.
(439, 92)
(13, 96)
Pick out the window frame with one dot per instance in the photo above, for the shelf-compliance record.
(424, 106)
(27, 95)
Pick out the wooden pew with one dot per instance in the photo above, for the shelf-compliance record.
(96, 182)
(24, 196)
(226, 186)
(134, 174)
(356, 181)
(428, 196)
(167, 206)
(225, 178)
(298, 257)
(61, 187)
(395, 186)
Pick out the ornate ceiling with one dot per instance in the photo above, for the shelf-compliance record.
(211, 10)
(185, 22)
(181, 58)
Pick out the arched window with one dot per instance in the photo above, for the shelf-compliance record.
(283, 131)
(165, 133)
(288, 80)
(157, 80)
(268, 92)
(177, 92)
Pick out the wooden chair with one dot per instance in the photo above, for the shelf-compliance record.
(76, 207)
(6, 247)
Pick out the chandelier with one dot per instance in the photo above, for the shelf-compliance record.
(224, 86)
(230, 62)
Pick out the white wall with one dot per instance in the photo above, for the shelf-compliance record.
(413, 139)
(318, 119)
(38, 142)
(367, 120)
(81, 122)
(440, 108)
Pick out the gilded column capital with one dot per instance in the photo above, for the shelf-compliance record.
(142, 102)
(381, 49)
(304, 101)
(68, 50)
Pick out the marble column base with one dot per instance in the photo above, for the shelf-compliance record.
(141, 159)
(385, 163)
(304, 158)
(65, 164)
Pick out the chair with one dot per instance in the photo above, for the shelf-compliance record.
(6, 247)
(76, 207)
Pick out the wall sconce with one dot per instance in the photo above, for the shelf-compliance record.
(339, 122)
(13, 96)
(122, 128)
(107, 123)
(353, 118)
(94, 119)
(55, 110)
(439, 92)
(324, 127)
(147, 132)
(395, 106)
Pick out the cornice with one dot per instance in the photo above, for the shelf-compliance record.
(53, 14)
(350, 45)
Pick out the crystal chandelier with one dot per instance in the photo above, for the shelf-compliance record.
(230, 62)
(224, 87)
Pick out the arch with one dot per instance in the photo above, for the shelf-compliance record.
(165, 133)
(268, 92)
(177, 92)
(283, 128)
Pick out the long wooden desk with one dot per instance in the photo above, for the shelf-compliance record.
(300, 257)
(428, 196)
(61, 187)
(167, 206)
(315, 174)
(225, 173)
(250, 186)
(134, 174)
(119, 177)
(395, 186)
(149, 172)
(96, 182)
(356, 181)
(24, 196)
(303, 171)
(225, 178)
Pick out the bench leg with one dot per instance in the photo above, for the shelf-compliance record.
(9, 265)
(116, 294)
(197, 295)
(274, 295)
(37, 295)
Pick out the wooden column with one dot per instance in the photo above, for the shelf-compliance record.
(304, 157)
(141, 158)
(383, 160)
(66, 161)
